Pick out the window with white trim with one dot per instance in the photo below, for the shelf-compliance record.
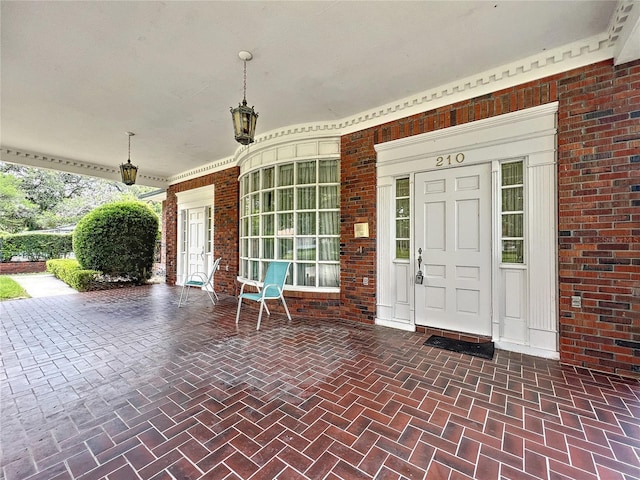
(291, 211)
(512, 212)
(403, 211)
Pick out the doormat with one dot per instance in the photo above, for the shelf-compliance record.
(482, 350)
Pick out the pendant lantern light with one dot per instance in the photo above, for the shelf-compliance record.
(244, 118)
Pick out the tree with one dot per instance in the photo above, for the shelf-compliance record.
(60, 198)
(117, 239)
(15, 210)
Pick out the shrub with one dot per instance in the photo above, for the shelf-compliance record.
(35, 246)
(71, 273)
(118, 239)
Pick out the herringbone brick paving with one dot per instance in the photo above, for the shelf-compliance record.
(124, 385)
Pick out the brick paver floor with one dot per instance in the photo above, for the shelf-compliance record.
(124, 385)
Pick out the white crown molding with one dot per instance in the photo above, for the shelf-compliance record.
(624, 32)
(34, 159)
(548, 63)
(206, 169)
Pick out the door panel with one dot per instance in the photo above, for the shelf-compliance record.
(196, 256)
(453, 229)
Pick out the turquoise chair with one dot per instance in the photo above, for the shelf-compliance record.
(200, 280)
(272, 289)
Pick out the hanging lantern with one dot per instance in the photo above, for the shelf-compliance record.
(244, 117)
(128, 171)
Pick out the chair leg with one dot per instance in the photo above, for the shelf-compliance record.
(238, 312)
(286, 309)
(260, 315)
(181, 294)
(210, 296)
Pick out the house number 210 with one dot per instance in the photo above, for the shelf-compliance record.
(449, 159)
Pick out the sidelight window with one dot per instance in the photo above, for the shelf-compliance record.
(403, 211)
(512, 190)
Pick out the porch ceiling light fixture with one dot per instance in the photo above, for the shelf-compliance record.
(244, 118)
(128, 171)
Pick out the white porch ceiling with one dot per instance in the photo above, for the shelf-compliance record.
(77, 75)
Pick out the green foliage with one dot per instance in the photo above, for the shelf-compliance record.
(35, 246)
(10, 289)
(15, 209)
(118, 239)
(34, 198)
(70, 272)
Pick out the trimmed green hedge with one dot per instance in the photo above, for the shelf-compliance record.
(118, 239)
(69, 271)
(35, 246)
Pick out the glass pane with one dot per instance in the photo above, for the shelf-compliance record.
(329, 223)
(512, 199)
(512, 225)
(328, 171)
(267, 225)
(512, 173)
(244, 247)
(244, 206)
(255, 225)
(402, 248)
(285, 249)
(245, 227)
(307, 172)
(306, 223)
(306, 248)
(329, 197)
(255, 248)
(267, 201)
(402, 187)
(306, 274)
(245, 185)
(402, 208)
(512, 251)
(328, 275)
(285, 175)
(402, 228)
(254, 266)
(244, 268)
(285, 224)
(329, 249)
(267, 247)
(267, 178)
(285, 199)
(306, 198)
(255, 181)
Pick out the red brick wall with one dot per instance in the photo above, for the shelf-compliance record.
(11, 268)
(599, 205)
(225, 222)
(599, 216)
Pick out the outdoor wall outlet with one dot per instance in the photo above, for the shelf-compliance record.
(576, 301)
(365, 280)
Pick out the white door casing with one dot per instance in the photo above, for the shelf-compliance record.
(453, 231)
(524, 297)
(193, 209)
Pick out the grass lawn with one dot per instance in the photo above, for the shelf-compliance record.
(10, 289)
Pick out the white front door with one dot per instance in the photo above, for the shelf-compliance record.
(453, 231)
(196, 258)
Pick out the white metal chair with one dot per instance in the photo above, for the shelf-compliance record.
(200, 280)
(271, 289)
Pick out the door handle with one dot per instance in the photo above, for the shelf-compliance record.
(419, 275)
